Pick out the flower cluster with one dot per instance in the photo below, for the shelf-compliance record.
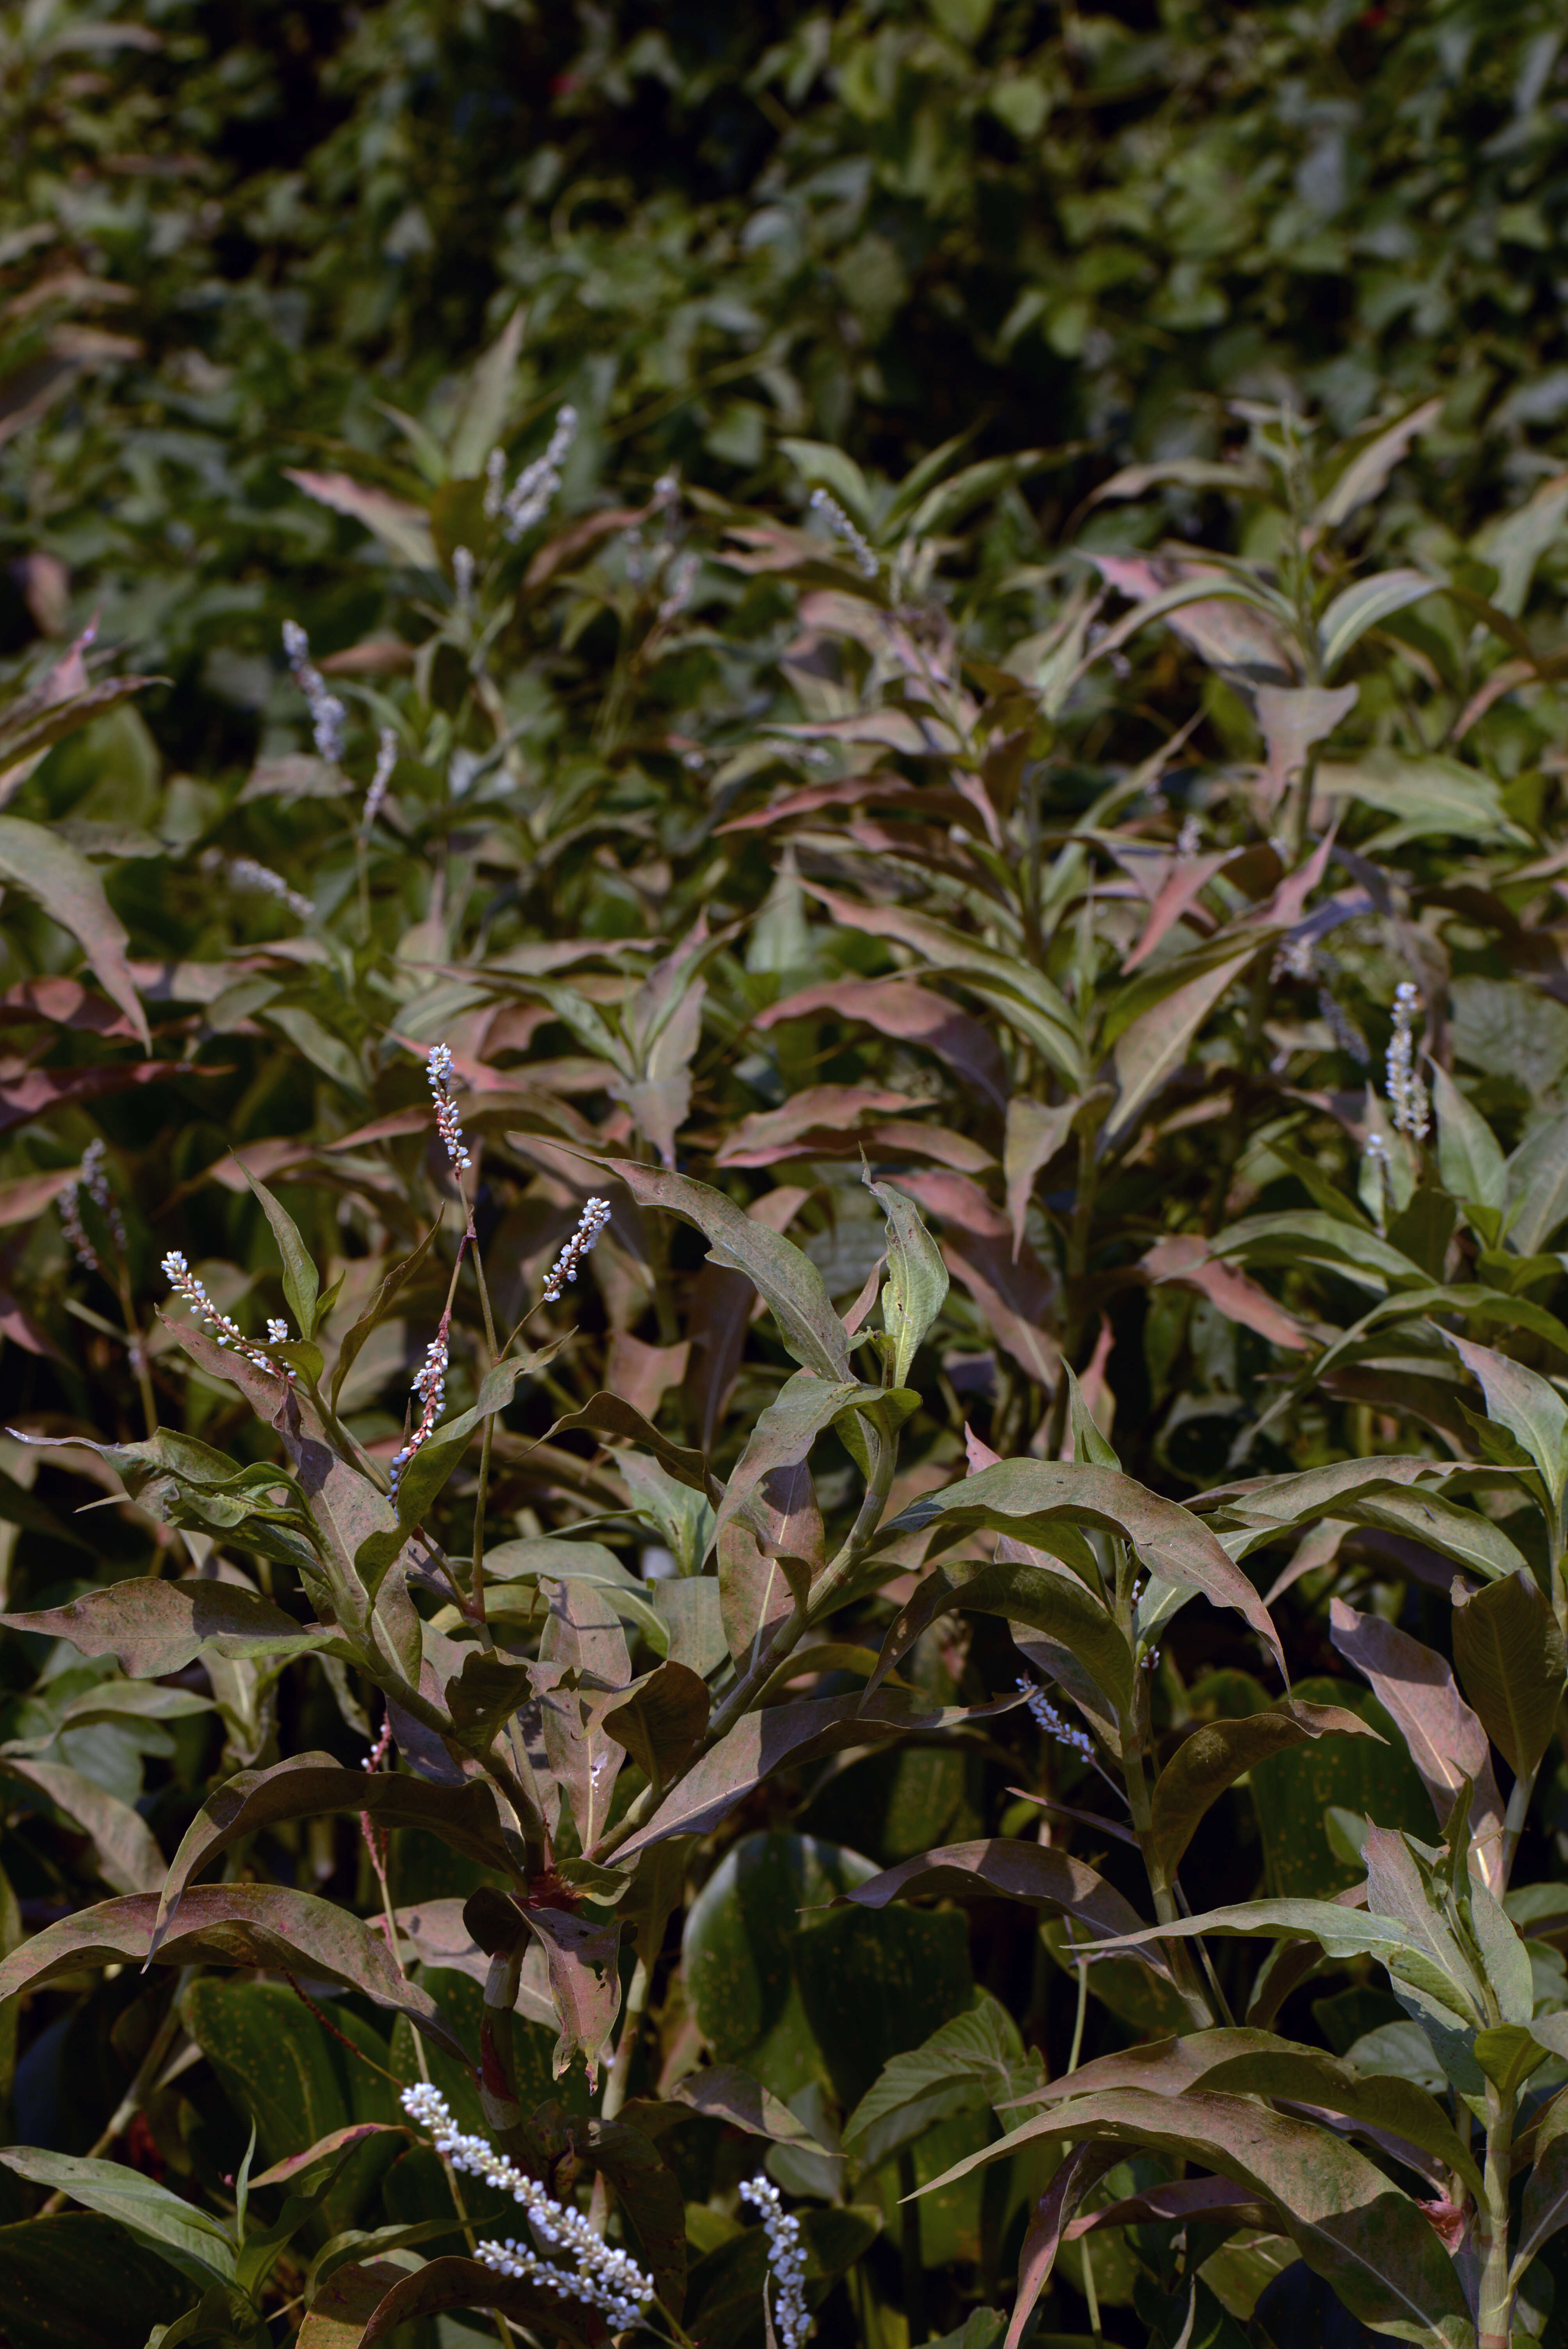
(463, 575)
(678, 586)
(244, 873)
(1047, 1718)
(590, 1223)
(528, 500)
(385, 759)
(602, 2277)
(838, 523)
(431, 1386)
(93, 1178)
(786, 2258)
(326, 712)
(1407, 1094)
(439, 1071)
(226, 1331)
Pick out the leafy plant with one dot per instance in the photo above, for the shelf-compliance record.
(786, 1411)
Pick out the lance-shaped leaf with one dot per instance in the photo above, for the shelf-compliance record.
(153, 1628)
(611, 1415)
(1443, 1735)
(916, 1284)
(35, 859)
(999, 1868)
(1365, 604)
(264, 1925)
(1157, 1042)
(301, 1284)
(1469, 1158)
(402, 528)
(1380, 2101)
(1029, 1596)
(189, 2238)
(1546, 2209)
(1351, 2225)
(326, 2152)
(123, 1845)
(661, 1721)
(724, 2092)
(447, 2283)
(1537, 1185)
(1528, 1405)
(899, 1007)
(768, 1510)
(538, 1558)
(307, 1786)
(783, 1274)
(761, 1742)
(1082, 2170)
(1025, 1498)
(1510, 1652)
(1215, 1755)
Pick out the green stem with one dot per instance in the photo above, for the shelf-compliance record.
(1494, 2303)
(909, 2246)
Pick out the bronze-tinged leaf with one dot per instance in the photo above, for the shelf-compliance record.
(1183, 1260)
(1032, 1596)
(782, 1273)
(34, 858)
(915, 1015)
(1351, 2225)
(326, 2148)
(1001, 1868)
(584, 1986)
(662, 1720)
(612, 1415)
(402, 528)
(1510, 1652)
(153, 1628)
(1025, 1498)
(1084, 2168)
(1215, 1755)
(446, 2283)
(309, 1784)
(1444, 1738)
(264, 1925)
(761, 1742)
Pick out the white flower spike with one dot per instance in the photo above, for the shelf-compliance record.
(602, 2277)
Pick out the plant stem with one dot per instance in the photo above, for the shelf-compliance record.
(1495, 2300)
(909, 2245)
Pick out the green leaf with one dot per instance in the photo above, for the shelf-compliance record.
(1025, 1498)
(821, 465)
(1469, 1158)
(1292, 1792)
(1523, 1402)
(610, 1414)
(1537, 1185)
(738, 1949)
(1215, 1755)
(1363, 605)
(123, 1845)
(1029, 1596)
(39, 861)
(661, 1721)
(80, 2282)
(1152, 1047)
(877, 1985)
(916, 1285)
(1510, 1657)
(176, 2229)
(977, 2059)
(301, 1284)
(782, 1273)
(1508, 2055)
(281, 2067)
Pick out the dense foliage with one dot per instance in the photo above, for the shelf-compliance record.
(784, 1370)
